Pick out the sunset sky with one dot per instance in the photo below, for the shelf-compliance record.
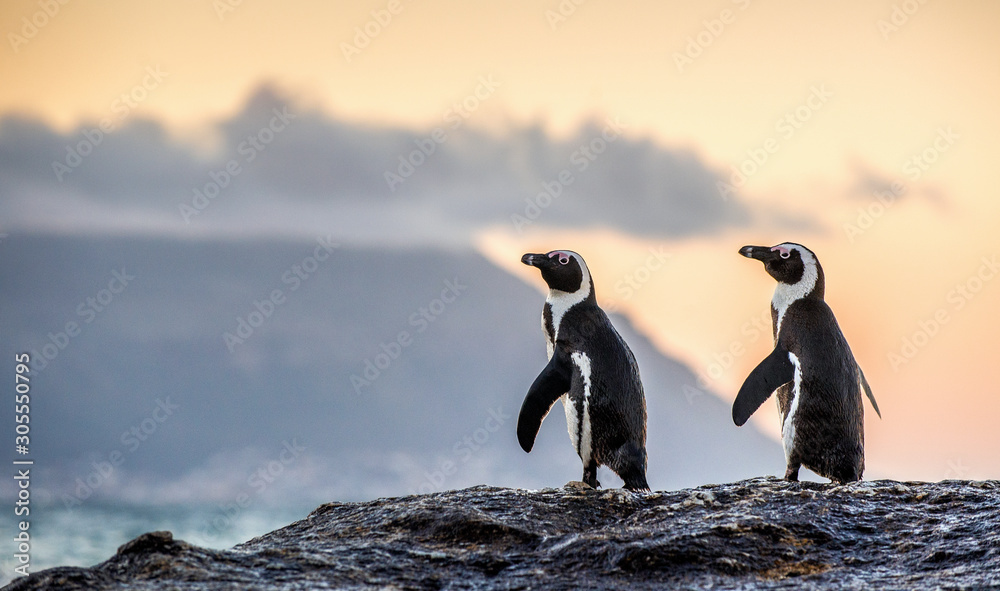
(808, 110)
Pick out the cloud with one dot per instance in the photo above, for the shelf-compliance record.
(869, 185)
(281, 168)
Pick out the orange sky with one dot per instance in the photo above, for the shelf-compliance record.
(887, 92)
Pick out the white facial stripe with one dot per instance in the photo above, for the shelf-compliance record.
(561, 301)
(563, 256)
(785, 294)
(583, 363)
(787, 422)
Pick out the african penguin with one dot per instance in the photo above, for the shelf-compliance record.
(819, 383)
(592, 369)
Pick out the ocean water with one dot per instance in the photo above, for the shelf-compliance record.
(92, 533)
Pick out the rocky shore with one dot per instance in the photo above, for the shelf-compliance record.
(761, 533)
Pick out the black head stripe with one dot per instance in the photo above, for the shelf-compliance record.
(564, 277)
(786, 269)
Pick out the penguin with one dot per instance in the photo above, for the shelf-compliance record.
(818, 381)
(594, 373)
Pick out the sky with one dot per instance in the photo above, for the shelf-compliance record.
(867, 131)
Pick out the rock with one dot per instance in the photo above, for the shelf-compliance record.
(762, 533)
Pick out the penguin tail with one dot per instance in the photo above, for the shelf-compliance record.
(629, 462)
(637, 484)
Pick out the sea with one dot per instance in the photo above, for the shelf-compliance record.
(91, 533)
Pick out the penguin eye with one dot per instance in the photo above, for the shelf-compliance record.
(563, 259)
(784, 254)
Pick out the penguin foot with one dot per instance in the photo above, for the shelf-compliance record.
(792, 474)
(590, 475)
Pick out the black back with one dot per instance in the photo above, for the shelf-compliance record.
(829, 420)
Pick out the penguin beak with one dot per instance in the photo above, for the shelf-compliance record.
(761, 253)
(535, 260)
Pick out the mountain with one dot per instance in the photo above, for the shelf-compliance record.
(170, 370)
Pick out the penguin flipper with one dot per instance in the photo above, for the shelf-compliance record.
(774, 371)
(553, 382)
(868, 392)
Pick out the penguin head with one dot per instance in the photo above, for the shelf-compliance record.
(562, 270)
(790, 264)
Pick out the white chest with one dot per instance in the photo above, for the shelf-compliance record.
(785, 294)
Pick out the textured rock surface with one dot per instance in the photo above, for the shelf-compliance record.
(762, 533)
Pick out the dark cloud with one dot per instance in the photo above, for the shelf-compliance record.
(870, 185)
(298, 168)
